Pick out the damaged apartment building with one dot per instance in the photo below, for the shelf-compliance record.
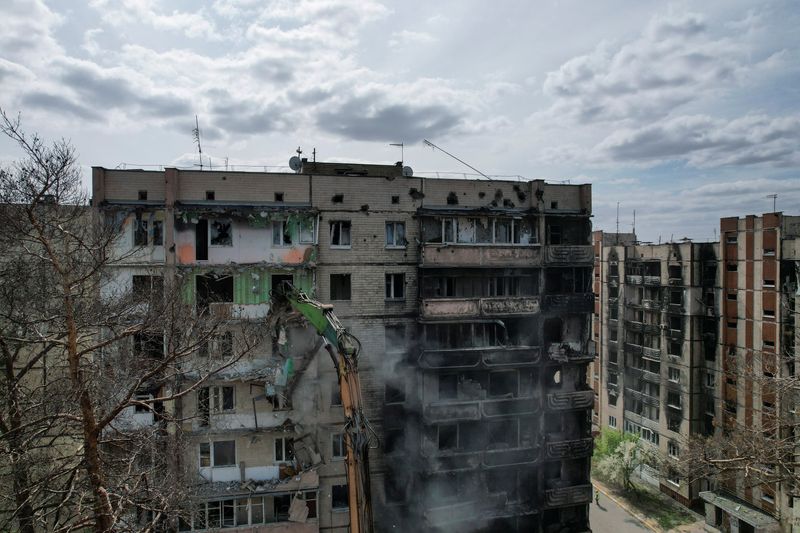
(472, 301)
(656, 324)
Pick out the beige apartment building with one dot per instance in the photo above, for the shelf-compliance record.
(472, 301)
(656, 324)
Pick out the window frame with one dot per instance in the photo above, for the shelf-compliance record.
(282, 227)
(285, 450)
(211, 448)
(212, 230)
(339, 297)
(338, 447)
(394, 224)
(341, 224)
(390, 286)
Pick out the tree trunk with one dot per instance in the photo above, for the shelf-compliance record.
(24, 509)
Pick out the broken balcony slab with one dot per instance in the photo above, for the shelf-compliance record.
(475, 255)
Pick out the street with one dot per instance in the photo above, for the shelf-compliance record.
(609, 517)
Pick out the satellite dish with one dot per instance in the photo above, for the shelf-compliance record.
(408, 172)
(295, 163)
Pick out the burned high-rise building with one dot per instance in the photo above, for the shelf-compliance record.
(472, 301)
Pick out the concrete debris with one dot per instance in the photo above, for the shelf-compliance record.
(298, 510)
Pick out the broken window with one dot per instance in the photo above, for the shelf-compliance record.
(466, 231)
(201, 240)
(675, 322)
(279, 281)
(340, 286)
(503, 229)
(280, 507)
(448, 437)
(396, 234)
(395, 338)
(278, 196)
(339, 497)
(449, 229)
(310, 498)
(148, 344)
(140, 232)
(283, 450)
(394, 393)
(307, 230)
(676, 297)
(221, 233)
(213, 289)
(340, 233)
(395, 286)
(220, 453)
(210, 195)
(281, 235)
(503, 434)
(448, 386)
(143, 195)
(218, 345)
(147, 287)
(553, 234)
(503, 384)
(338, 449)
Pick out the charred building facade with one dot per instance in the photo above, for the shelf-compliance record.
(656, 324)
(472, 300)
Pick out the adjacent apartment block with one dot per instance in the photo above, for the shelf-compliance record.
(656, 323)
(759, 264)
(472, 300)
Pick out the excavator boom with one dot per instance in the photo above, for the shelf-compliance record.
(343, 348)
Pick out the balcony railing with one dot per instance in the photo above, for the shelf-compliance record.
(568, 448)
(582, 302)
(479, 307)
(566, 496)
(554, 254)
(463, 410)
(455, 255)
(651, 304)
(653, 354)
(652, 280)
(633, 279)
(563, 401)
(487, 358)
(646, 399)
(570, 352)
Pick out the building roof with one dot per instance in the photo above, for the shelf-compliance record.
(739, 509)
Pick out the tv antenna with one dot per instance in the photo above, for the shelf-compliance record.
(402, 158)
(196, 135)
(774, 200)
(426, 142)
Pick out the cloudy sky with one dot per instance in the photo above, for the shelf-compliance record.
(684, 112)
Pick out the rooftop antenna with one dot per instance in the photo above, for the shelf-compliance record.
(774, 200)
(634, 225)
(426, 142)
(314, 155)
(196, 134)
(402, 157)
(617, 223)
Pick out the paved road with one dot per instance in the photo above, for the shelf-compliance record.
(609, 517)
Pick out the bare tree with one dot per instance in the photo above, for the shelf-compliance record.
(79, 355)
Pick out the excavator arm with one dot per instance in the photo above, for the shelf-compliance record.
(344, 349)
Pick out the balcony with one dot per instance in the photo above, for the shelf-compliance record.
(645, 375)
(653, 305)
(633, 279)
(479, 307)
(564, 401)
(651, 354)
(478, 255)
(633, 349)
(569, 352)
(567, 496)
(652, 281)
(485, 358)
(568, 255)
(582, 302)
(464, 410)
(565, 449)
(510, 457)
(651, 329)
(645, 399)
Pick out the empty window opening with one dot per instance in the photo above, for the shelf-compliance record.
(220, 453)
(201, 240)
(337, 198)
(394, 393)
(674, 271)
(340, 286)
(158, 233)
(448, 386)
(553, 205)
(221, 233)
(452, 198)
(148, 344)
(280, 507)
(279, 197)
(143, 195)
(281, 233)
(140, 232)
(395, 286)
(213, 289)
(504, 384)
(395, 199)
(279, 281)
(340, 233)
(339, 497)
(448, 437)
(732, 267)
(210, 195)
(769, 283)
(147, 287)
(676, 297)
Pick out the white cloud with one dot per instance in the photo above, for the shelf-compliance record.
(408, 37)
(149, 12)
